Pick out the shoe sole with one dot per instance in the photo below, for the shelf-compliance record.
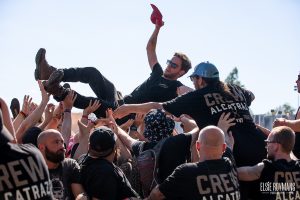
(40, 52)
(55, 77)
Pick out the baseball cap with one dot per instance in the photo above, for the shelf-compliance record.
(206, 70)
(157, 125)
(156, 15)
(102, 141)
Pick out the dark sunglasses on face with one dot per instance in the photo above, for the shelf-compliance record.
(271, 141)
(192, 77)
(172, 64)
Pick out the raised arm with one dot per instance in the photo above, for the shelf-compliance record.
(23, 113)
(293, 124)
(48, 116)
(34, 117)
(67, 120)
(6, 117)
(126, 109)
(250, 173)
(151, 46)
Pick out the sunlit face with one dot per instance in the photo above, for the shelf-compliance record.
(54, 150)
(271, 146)
(196, 82)
(173, 70)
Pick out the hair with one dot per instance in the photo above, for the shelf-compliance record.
(221, 86)
(286, 137)
(186, 63)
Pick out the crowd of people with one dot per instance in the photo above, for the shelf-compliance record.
(207, 145)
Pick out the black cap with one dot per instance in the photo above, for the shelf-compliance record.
(102, 141)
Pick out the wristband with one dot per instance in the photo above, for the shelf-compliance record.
(67, 110)
(22, 113)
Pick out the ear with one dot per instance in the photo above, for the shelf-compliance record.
(198, 145)
(41, 147)
(224, 147)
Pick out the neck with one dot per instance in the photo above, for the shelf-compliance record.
(109, 158)
(209, 156)
(170, 78)
(283, 156)
(52, 165)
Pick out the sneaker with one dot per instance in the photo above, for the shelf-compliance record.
(43, 70)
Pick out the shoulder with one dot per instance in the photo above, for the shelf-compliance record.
(186, 168)
(157, 69)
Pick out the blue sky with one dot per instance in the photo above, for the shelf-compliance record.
(260, 38)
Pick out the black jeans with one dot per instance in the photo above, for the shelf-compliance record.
(102, 87)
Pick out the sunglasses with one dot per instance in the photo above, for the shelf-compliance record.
(271, 141)
(172, 64)
(194, 77)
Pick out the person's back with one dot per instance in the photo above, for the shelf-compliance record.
(100, 178)
(279, 174)
(212, 98)
(213, 177)
(280, 177)
(210, 179)
(103, 171)
(24, 173)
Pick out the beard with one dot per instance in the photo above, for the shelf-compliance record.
(55, 157)
(169, 76)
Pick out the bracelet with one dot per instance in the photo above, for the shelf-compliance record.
(84, 116)
(22, 113)
(67, 110)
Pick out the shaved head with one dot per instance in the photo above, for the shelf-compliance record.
(211, 143)
(46, 134)
(211, 136)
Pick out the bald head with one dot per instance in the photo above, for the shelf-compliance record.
(211, 136)
(45, 135)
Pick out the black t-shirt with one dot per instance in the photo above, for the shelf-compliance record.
(211, 179)
(206, 105)
(296, 150)
(140, 146)
(23, 173)
(174, 152)
(104, 180)
(155, 89)
(280, 179)
(63, 176)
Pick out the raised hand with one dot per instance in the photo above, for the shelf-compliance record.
(69, 100)
(49, 111)
(225, 123)
(45, 95)
(26, 105)
(93, 106)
